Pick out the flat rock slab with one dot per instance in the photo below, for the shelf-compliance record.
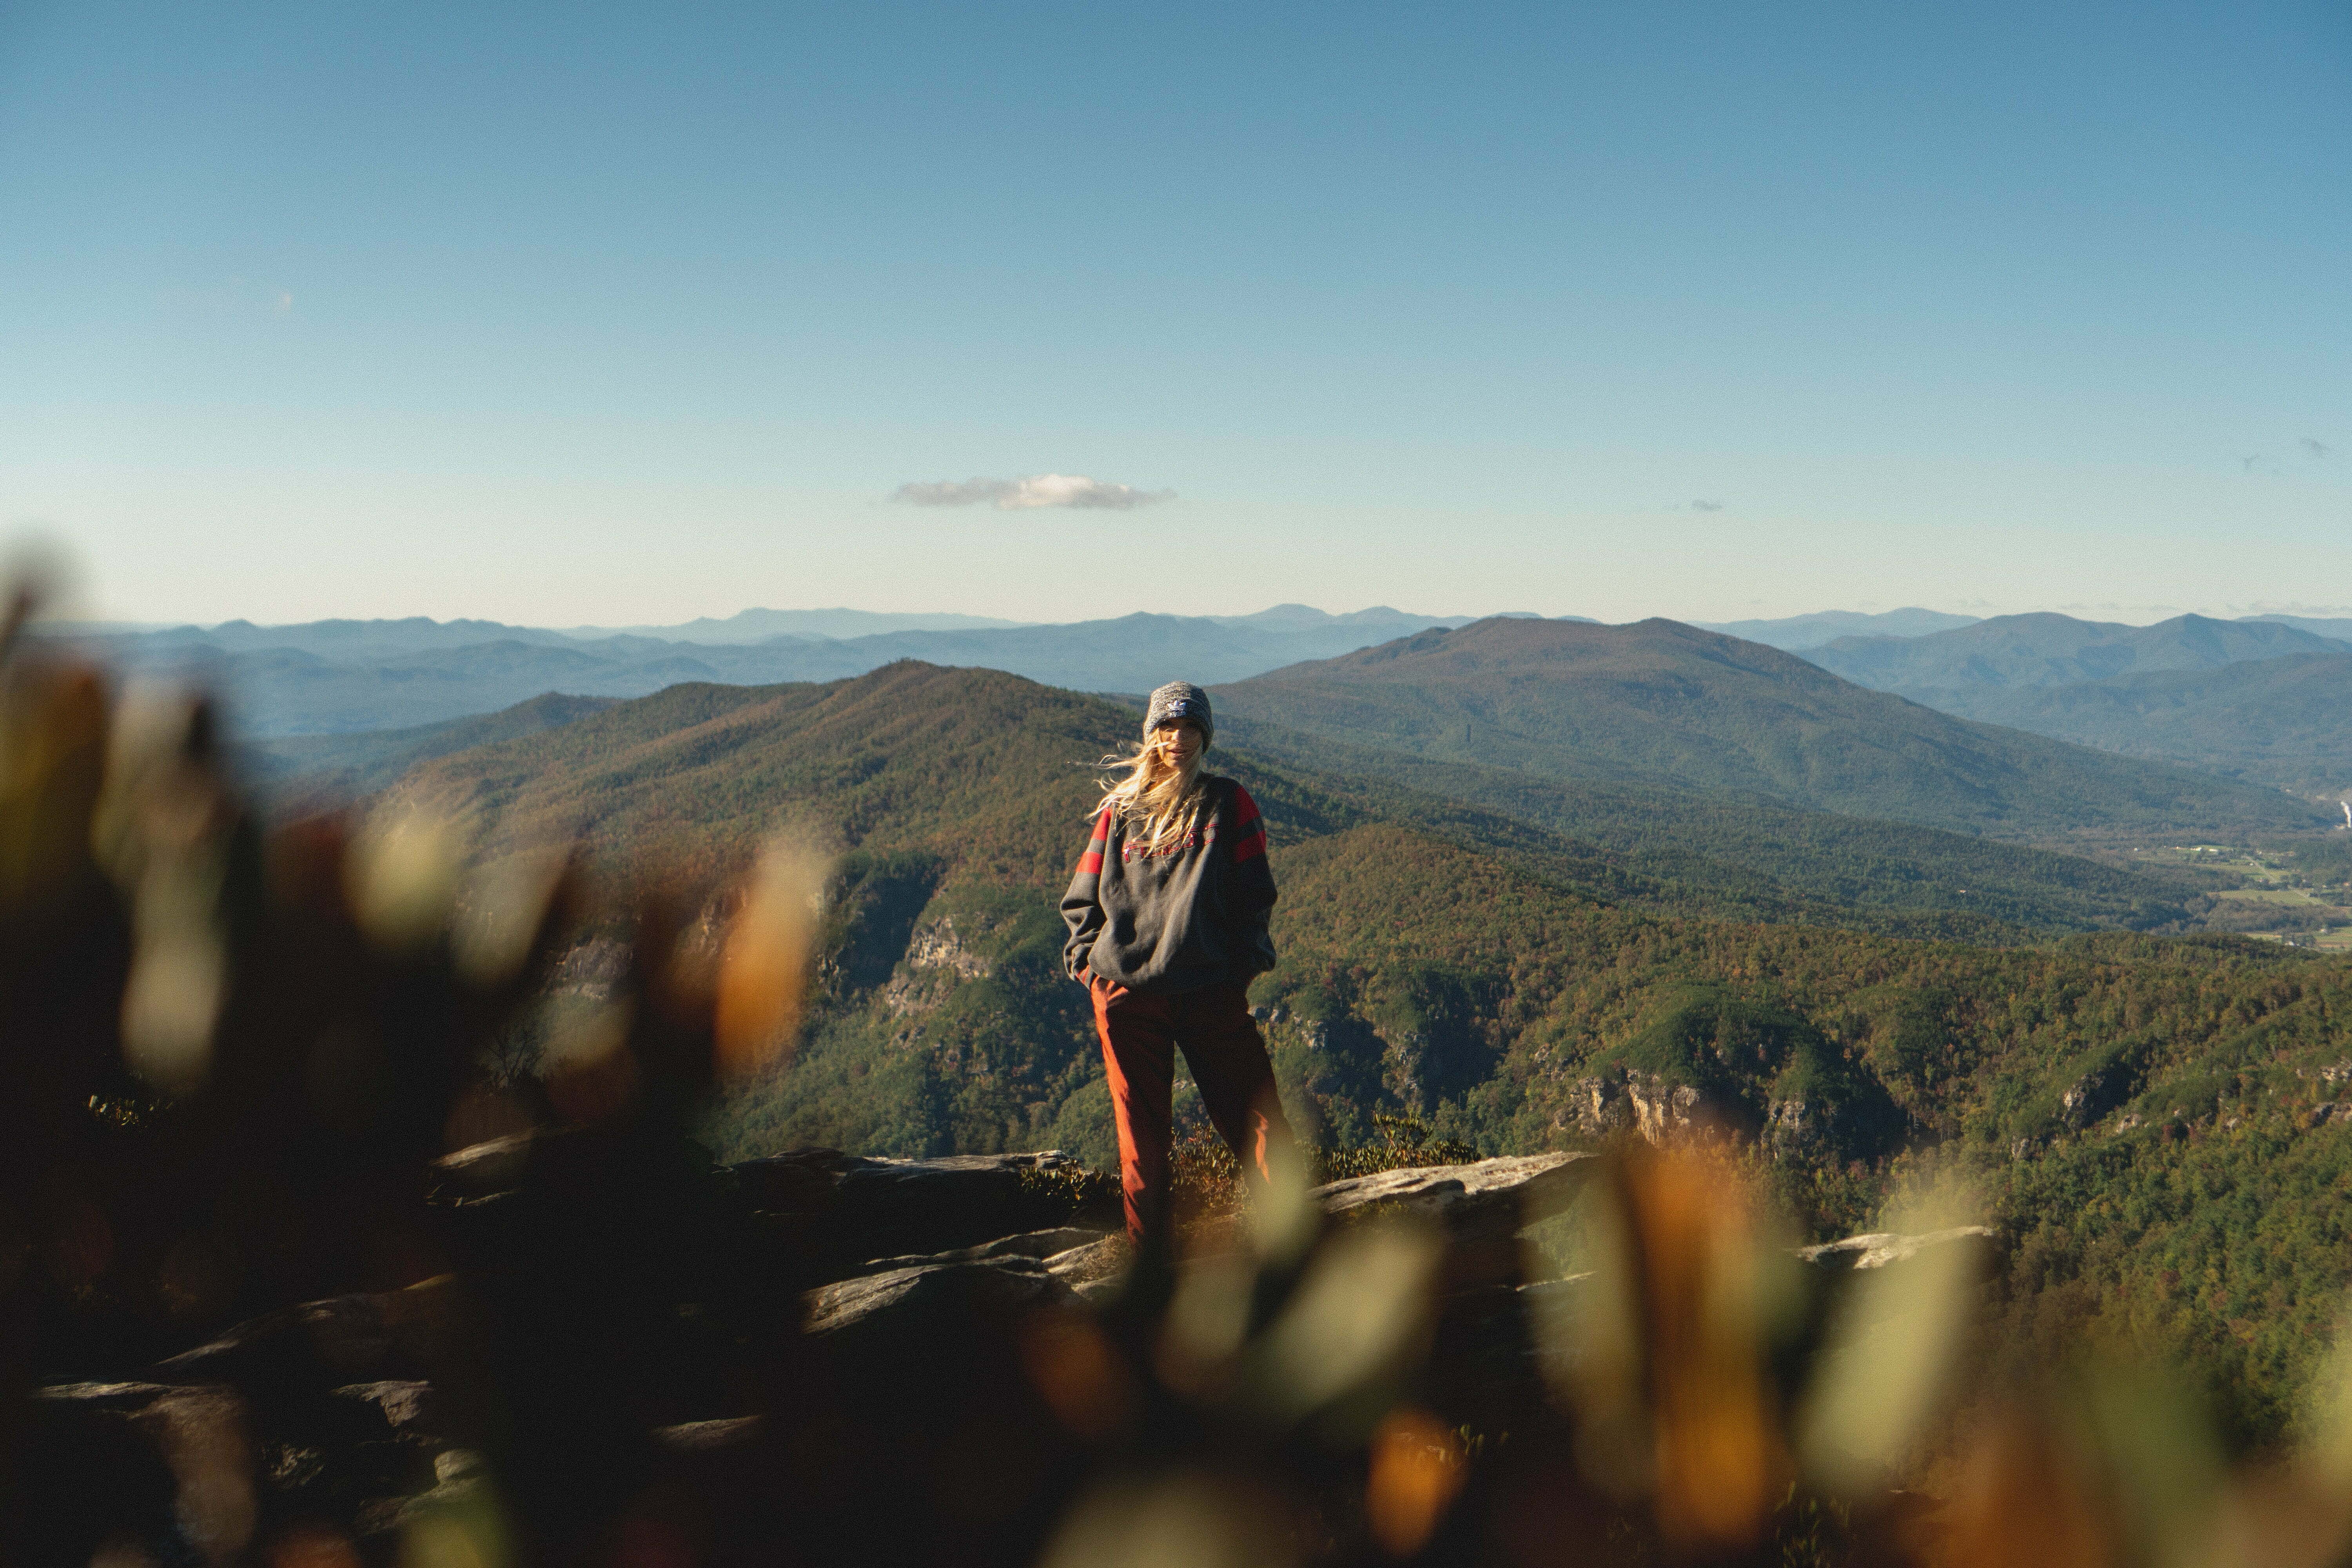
(409, 1406)
(140, 1461)
(1095, 1269)
(1513, 1190)
(117, 1397)
(931, 1290)
(394, 1335)
(846, 1208)
(1876, 1249)
(711, 1436)
(1038, 1244)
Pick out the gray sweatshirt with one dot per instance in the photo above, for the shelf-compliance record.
(1192, 915)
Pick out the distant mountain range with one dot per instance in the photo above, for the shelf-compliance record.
(2240, 698)
(1794, 634)
(2056, 650)
(2341, 630)
(759, 626)
(2284, 722)
(1663, 703)
(2268, 701)
(346, 677)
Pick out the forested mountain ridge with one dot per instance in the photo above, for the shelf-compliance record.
(2284, 722)
(2135, 1113)
(882, 761)
(2049, 649)
(1740, 857)
(1659, 703)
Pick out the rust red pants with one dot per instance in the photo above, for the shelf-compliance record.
(1220, 1043)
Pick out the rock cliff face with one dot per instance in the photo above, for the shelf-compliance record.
(2095, 1094)
(1663, 1112)
(937, 946)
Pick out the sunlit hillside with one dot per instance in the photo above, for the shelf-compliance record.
(2111, 1096)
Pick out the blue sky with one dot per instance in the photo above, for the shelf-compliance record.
(621, 315)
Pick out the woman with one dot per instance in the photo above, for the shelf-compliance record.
(1166, 918)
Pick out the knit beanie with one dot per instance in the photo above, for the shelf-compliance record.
(1180, 699)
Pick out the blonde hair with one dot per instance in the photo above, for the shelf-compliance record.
(1163, 801)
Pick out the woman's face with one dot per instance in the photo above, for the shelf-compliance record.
(1176, 744)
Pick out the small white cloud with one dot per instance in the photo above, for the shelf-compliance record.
(284, 302)
(1031, 491)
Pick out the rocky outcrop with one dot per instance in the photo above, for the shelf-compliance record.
(2087, 1099)
(1879, 1249)
(937, 946)
(833, 1211)
(1093, 1271)
(160, 1453)
(844, 1208)
(382, 1340)
(2105, 1085)
(1036, 1244)
(591, 972)
(204, 1465)
(1793, 1122)
(906, 1297)
(1662, 1111)
(937, 960)
(1511, 1191)
(365, 1412)
(1598, 1106)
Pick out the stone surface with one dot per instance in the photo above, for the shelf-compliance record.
(1876, 1249)
(710, 1437)
(395, 1335)
(1792, 1122)
(1096, 1269)
(994, 1284)
(1513, 1190)
(841, 1210)
(1040, 1244)
(409, 1406)
(172, 1467)
(2096, 1092)
(1616, 1100)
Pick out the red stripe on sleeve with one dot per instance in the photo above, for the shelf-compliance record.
(1250, 841)
(1090, 863)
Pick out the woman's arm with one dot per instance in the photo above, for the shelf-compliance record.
(1253, 880)
(1082, 908)
(1249, 889)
